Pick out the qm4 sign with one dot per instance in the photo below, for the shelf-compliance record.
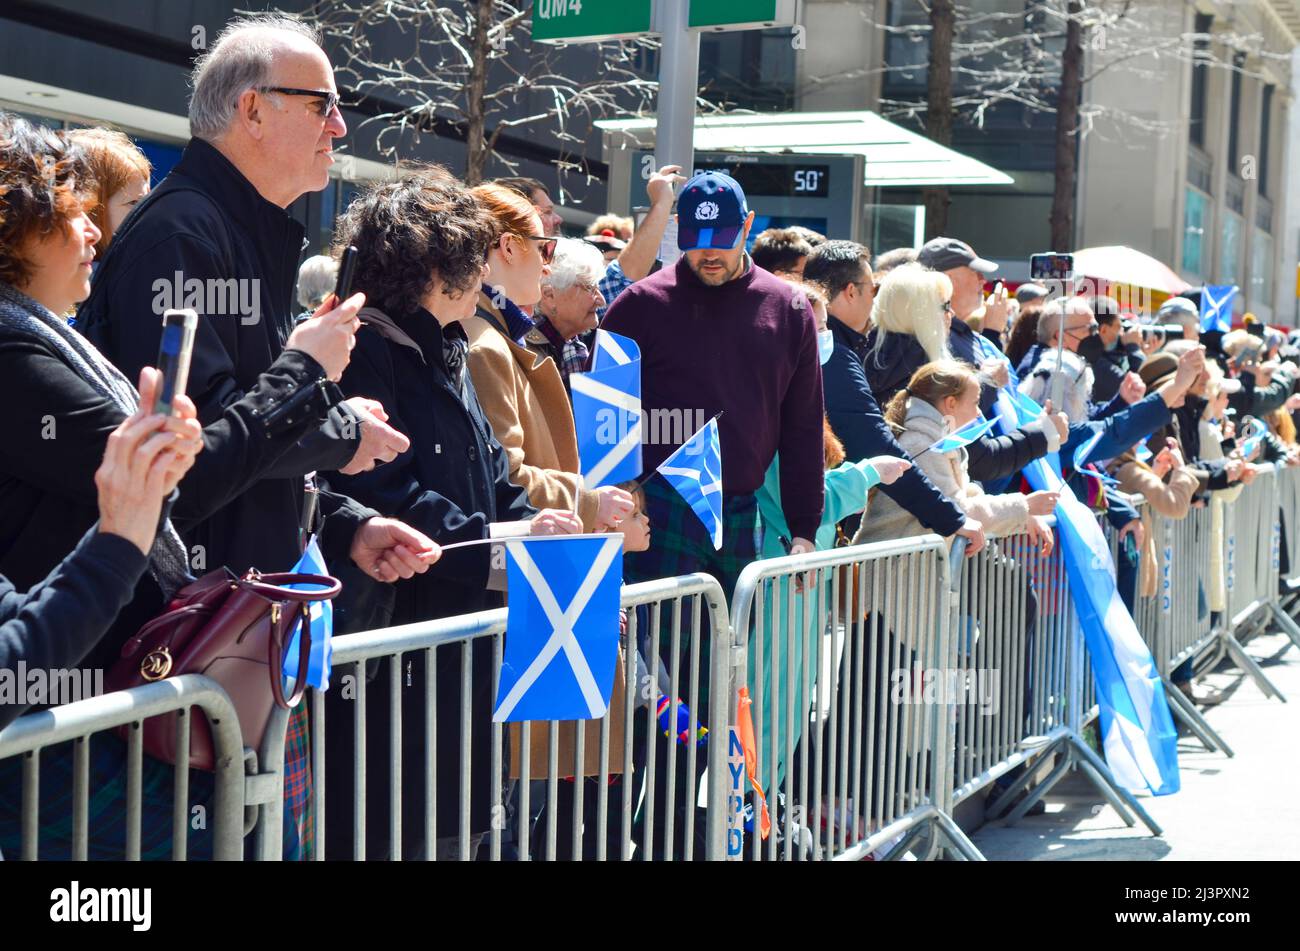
(590, 21)
(717, 15)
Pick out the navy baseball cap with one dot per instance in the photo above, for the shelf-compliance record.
(711, 212)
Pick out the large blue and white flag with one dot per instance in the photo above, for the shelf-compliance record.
(1137, 730)
(962, 437)
(607, 412)
(562, 627)
(312, 562)
(1216, 306)
(695, 471)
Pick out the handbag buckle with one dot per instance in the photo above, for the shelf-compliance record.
(157, 664)
(275, 612)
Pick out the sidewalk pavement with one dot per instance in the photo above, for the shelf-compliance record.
(1247, 807)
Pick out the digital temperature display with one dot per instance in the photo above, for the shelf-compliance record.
(785, 181)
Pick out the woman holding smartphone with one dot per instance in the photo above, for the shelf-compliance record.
(63, 401)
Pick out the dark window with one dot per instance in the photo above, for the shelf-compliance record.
(1234, 117)
(1265, 134)
(1200, 77)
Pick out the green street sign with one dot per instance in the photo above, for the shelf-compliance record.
(740, 14)
(589, 21)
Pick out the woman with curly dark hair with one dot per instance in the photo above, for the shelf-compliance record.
(422, 245)
(1024, 332)
(62, 400)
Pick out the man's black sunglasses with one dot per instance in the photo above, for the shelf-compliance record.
(330, 99)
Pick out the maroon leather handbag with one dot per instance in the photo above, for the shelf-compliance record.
(234, 630)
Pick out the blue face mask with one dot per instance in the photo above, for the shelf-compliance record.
(825, 345)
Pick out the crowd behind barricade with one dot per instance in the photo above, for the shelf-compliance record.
(432, 407)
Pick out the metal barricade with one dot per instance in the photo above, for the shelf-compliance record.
(1175, 620)
(840, 649)
(78, 722)
(1288, 545)
(1014, 622)
(1252, 539)
(463, 787)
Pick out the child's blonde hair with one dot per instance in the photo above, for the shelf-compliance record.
(932, 382)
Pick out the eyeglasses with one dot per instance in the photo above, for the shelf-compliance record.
(329, 100)
(946, 307)
(546, 247)
(1088, 329)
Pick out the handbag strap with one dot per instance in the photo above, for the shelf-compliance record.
(276, 648)
(272, 587)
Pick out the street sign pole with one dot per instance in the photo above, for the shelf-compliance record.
(679, 82)
(679, 79)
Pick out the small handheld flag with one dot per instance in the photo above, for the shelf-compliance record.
(962, 437)
(695, 471)
(312, 562)
(1085, 449)
(607, 412)
(1216, 306)
(562, 627)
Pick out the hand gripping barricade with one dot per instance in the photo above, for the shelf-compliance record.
(850, 749)
(79, 722)
(1019, 653)
(464, 787)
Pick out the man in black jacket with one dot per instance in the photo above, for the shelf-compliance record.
(842, 268)
(216, 236)
(1113, 352)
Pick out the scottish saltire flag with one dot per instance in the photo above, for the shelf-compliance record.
(1137, 730)
(561, 627)
(1085, 449)
(614, 350)
(695, 471)
(1216, 306)
(607, 412)
(312, 562)
(1250, 445)
(1143, 453)
(964, 436)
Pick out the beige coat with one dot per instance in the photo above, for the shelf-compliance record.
(1172, 499)
(526, 403)
(1005, 514)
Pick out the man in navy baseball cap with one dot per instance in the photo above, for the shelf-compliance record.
(713, 222)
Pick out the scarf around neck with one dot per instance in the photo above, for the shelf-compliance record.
(23, 315)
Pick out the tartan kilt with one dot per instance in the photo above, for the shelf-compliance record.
(680, 545)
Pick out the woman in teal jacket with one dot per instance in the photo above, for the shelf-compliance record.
(847, 483)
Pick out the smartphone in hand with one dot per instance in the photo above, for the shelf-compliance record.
(174, 357)
(347, 269)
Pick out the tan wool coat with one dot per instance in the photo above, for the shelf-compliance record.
(526, 403)
(1172, 499)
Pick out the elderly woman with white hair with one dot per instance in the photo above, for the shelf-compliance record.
(569, 308)
(911, 317)
(316, 278)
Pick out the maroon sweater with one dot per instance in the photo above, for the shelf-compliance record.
(745, 349)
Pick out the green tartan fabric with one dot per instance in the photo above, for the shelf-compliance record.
(680, 545)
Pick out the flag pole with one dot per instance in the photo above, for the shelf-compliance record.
(640, 483)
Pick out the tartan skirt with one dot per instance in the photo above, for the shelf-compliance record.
(680, 545)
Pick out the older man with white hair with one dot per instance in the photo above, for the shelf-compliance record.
(570, 306)
(216, 236)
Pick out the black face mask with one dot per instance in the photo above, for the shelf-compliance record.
(1091, 347)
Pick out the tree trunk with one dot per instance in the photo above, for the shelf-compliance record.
(476, 147)
(938, 110)
(1067, 132)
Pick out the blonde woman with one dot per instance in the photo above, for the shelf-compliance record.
(910, 320)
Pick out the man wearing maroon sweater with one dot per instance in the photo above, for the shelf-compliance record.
(721, 335)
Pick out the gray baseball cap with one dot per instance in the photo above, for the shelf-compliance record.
(1179, 310)
(1030, 291)
(943, 254)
